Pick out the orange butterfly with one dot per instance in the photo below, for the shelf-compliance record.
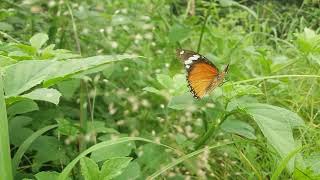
(202, 75)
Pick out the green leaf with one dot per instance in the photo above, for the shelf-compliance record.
(18, 130)
(38, 40)
(226, 3)
(153, 90)
(24, 75)
(44, 94)
(114, 167)
(131, 172)
(68, 87)
(237, 90)
(276, 124)
(117, 150)
(47, 175)
(178, 33)
(308, 41)
(181, 102)
(26, 144)
(152, 157)
(67, 128)
(22, 107)
(64, 174)
(89, 169)
(238, 127)
(165, 80)
(285, 162)
(47, 149)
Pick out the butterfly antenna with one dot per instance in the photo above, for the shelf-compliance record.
(226, 68)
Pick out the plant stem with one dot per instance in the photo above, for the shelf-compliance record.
(206, 136)
(5, 157)
(278, 77)
(202, 30)
(83, 92)
(212, 130)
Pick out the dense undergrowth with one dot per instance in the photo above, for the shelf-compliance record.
(93, 90)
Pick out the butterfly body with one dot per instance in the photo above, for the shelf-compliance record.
(202, 75)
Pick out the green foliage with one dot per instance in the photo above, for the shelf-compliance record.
(69, 64)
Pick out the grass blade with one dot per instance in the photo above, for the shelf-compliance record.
(5, 158)
(183, 158)
(284, 163)
(26, 144)
(64, 174)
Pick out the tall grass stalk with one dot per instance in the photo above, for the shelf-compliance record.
(83, 92)
(5, 158)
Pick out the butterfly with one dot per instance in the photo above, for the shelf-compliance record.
(202, 75)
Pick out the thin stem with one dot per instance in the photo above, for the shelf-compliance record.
(8, 36)
(278, 77)
(5, 157)
(206, 136)
(75, 31)
(212, 130)
(83, 91)
(202, 30)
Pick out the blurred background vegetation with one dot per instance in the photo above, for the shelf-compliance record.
(277, 41)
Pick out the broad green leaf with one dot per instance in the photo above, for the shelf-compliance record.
(117, 150)
(181, 102)
(238, 127)
(47, 149)
(18, 131)
(24, 75)
(44, 94)
(131, 172)
(68, 87)
(22, 107)
(114, 167)
(100, 127)
(89, 169)
(47, 175)
(5, 61)
(313, 162)
(67, 128)
(152, 157)
(38, 40)
(178, 33)
(153, 90)
(276, 124)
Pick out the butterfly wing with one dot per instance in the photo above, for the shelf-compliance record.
(202, 75)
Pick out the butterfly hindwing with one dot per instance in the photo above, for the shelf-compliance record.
(201, 73)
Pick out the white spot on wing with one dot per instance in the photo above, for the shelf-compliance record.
(181, 52)
(187, 62)
(194, 57)
(187, 66)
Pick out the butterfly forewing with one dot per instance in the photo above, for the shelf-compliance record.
(201, 77)
(202, 74)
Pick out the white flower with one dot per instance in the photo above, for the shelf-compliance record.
(114, 44)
